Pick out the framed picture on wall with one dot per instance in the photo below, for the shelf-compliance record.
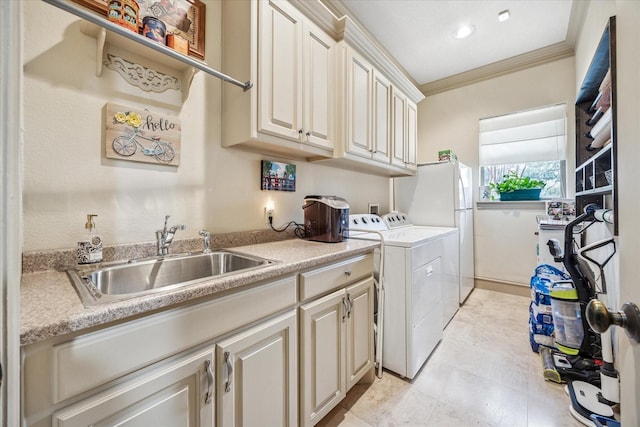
(185, 18)
(278, 176)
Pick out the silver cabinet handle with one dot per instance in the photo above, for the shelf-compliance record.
(209, 371)
(229, 365)
(429, 271)
(345, 306)
(350, 301)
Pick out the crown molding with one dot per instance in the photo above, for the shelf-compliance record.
(540, 56)
(517, 63)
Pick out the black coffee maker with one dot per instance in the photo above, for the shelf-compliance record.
(326, 218)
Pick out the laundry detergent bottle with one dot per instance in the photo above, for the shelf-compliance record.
(90, 246)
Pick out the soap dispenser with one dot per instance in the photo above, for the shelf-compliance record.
(90, 247)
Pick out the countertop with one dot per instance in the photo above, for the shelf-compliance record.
(50, 306)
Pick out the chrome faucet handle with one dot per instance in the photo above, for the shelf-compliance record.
(206, 236)
(166, 219)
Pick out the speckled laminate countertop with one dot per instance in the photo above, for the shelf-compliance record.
(50, 305)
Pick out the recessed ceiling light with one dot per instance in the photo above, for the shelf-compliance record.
(464, 31)
(504, 15)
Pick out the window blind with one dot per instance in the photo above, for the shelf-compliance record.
(531, 136)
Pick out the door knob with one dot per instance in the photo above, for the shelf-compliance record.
(600, 318)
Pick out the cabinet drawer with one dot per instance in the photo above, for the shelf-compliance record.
(322, 280)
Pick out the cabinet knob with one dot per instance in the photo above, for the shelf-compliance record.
(347, 273)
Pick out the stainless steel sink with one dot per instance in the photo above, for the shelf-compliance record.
(159, 274)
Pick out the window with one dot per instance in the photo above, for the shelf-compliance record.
(531, 143)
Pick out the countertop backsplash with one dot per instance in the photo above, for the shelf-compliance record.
(64, 259)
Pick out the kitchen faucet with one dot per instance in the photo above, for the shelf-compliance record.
(165, 237)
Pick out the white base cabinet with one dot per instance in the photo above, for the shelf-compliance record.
(336, 345)
(243, 359)
(177, 394)
(256, 373)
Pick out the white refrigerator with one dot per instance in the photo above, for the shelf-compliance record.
(440, 194)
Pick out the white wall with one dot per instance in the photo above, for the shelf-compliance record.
(67, 175)
(505, 244)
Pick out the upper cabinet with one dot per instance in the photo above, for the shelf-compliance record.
(290, 111)
(596, 142)
(323, 90)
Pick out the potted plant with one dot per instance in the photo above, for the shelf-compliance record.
(515, 187)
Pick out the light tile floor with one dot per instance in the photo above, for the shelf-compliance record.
(483, 373)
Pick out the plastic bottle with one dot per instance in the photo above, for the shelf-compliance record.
(90, 247)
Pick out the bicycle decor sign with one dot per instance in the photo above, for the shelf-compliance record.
(141, 136)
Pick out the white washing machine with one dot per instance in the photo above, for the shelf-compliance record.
(421, 282)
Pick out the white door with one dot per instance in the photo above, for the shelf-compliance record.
(464, 223)
(360, 342)
(359, 96)
(280, 70)
(382, 116)
(177, 394)
(322, 346)
(398, 128)
(256, 375)
(628, 54)
(412, 135)
(10, 215)
(319, 71)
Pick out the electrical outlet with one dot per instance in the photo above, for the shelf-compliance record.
(374, 208)
(268, 215)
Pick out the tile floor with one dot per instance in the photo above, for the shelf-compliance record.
(483, 373)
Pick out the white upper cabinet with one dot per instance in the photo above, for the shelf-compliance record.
(290, 109)
(382, 116)
(405, 129)
(323, 90)
(319, 87)
(359, 103)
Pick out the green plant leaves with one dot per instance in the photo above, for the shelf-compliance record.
(512, 182)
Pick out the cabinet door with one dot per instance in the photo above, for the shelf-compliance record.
(382, 118)
(322, 373)
(256, 372)
(359, 101)
(319, 83)
(360, 341)
(398, 112)
(411, 142)
(280, 70)
(173, 394)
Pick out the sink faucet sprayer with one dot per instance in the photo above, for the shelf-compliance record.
(165, 237)
(206, 237)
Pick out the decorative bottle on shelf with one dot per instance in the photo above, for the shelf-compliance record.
(90, 247)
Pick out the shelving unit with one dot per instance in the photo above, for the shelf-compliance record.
(140, 45)
(596, 168)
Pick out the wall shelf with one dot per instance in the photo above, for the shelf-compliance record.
(107, 31)
(595, 172)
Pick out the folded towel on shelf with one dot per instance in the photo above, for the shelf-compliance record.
(599, 127)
